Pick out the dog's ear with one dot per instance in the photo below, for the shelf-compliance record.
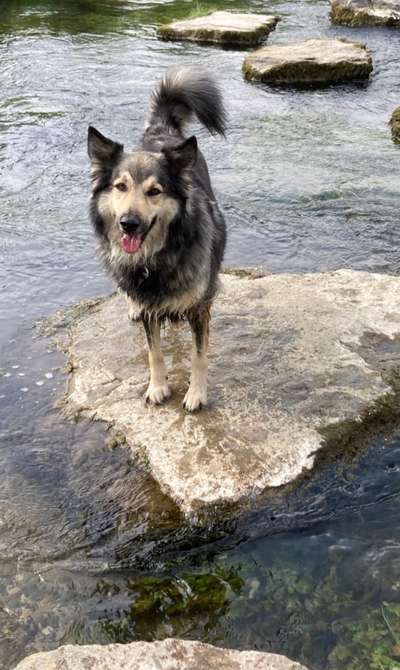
(181, 156)
(103, 152)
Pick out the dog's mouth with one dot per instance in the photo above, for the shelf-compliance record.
(131, 242)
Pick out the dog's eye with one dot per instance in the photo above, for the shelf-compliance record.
(153, 191)
(121, 186)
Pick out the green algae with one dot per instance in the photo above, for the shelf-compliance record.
(372, 642)
(97, 17)
(167, 602)
(361, 626)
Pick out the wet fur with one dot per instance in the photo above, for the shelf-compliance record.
(174, 274)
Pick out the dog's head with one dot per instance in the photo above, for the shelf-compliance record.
(138, 194)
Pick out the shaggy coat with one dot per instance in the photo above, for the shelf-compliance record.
(161, 234)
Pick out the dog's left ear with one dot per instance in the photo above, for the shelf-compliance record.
(181, 156)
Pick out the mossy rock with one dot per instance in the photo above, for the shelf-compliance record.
(395, 125)
(312, 62)
(163, 602)
(191, 592)
(358, 13)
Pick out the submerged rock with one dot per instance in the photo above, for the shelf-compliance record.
(366, 12)
(312, 62)
(291, 363)
(172, 654)
(221, 27)
(395, 124)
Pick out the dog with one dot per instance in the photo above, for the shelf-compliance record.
(161, 233)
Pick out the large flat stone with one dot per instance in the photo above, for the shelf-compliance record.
(170, 654)
(291, 357)
(366, 12)
(221, 27)
(311, 62)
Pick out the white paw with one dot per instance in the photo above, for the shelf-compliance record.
(157, 394)
(195, 399)
(134, 313)
(134, 309)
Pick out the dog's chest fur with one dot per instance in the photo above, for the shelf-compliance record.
(168, 285)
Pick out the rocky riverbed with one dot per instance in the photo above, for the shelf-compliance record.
(308, 182)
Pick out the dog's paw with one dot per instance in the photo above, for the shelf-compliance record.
(195, 399)
(156, 395)
(134, 314)
(134, 309)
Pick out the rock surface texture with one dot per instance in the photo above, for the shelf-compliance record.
(366, 12)
(312, 62)
(395, 124)
(221, 27)
(167, 655)
(291, 357)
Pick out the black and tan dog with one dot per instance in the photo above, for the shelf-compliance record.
(161, 233)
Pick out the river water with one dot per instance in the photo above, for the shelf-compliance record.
(90, 550)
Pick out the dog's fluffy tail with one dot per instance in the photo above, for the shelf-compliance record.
(185, 92)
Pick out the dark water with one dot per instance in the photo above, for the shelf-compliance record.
(308, 181)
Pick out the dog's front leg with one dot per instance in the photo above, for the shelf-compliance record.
(196, 396)
(158, 389)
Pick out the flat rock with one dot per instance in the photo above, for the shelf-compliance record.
(366, 12)
(311, 62)
(291, 362)
(170, 654)
(221, 27)
(395, 124)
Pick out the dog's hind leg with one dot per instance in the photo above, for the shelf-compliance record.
(158, 389)
(196, 396)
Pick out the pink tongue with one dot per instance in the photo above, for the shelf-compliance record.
(131, 243)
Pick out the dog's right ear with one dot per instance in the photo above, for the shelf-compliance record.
(103, 152)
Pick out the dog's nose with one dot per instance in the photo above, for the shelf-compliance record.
(129, 224)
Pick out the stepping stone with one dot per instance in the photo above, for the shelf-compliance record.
(366, 12)
(298, 363)
(222, 28)
(395, 124)
(312, 62)
(172, 653)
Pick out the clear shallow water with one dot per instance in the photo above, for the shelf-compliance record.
(308, 181)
